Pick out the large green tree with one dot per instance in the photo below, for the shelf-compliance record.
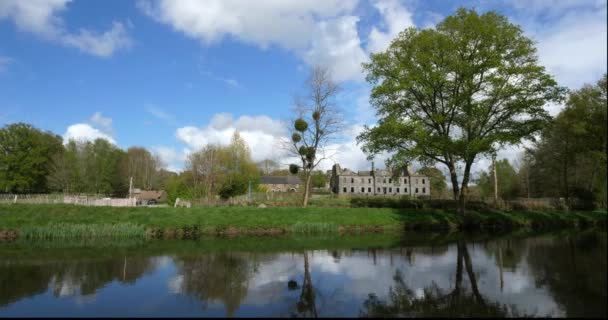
(570, 158)
(457, 92)
(25, 157)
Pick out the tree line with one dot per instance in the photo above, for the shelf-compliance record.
(36, 161)
(569, 159)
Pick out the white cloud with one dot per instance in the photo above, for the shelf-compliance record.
(575, 49)
(98, 127)
(41, 17)
(170, 157)
(98, 119)
(85, 132)
(101, 45)
(337, 45)
(261, 133)
(319, 31)
(395, 17)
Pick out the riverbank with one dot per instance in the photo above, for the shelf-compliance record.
(70, 221)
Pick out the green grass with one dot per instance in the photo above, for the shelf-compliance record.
(49, 221)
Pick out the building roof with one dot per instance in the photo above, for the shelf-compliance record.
(150, 195)
(280, 180)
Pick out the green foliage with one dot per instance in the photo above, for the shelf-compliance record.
(294, 168)
(296, 137)
(437, 181)
(96, 167)
(570, 159)
(25, 157)
(222, 170)
(446, 94)
(318, 179)
(300, 125)
(509, 184)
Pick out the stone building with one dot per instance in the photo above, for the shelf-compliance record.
(281, 183)
(378, 182)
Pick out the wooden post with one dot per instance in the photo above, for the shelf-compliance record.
(495, 180)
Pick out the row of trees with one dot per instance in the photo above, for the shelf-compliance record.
(569, 159)
(35, 161)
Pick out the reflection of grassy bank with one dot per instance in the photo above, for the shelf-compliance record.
(64, 221)
(63, 248)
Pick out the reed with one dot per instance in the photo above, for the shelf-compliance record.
(64, 230)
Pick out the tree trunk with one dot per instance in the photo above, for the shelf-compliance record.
(465, 187)
(306, 189)
(454, 179)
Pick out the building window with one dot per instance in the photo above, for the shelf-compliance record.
(423, 190)
(369, 190)
(416, 190)
(384, 181)
(344, 189)
(397, 190)
(384, 190)
(352, 180)
(389, 180)
(378, 189)
(405, 190)
(362, 190)
(390, 190)
(422, 181)
(352, 189)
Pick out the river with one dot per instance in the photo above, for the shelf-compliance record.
(552, 274)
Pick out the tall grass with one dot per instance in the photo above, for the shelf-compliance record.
(313, 227)
(64, 230)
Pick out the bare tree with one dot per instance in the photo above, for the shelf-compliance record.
(318, 121)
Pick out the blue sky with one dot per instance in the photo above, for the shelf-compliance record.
(175, 75)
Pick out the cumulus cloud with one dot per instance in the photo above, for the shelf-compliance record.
(319, 31)
(98, 119)
(261, 133)
(42, 17)
(395, 17)
(170, 157)
(98, 126)
(85, 132)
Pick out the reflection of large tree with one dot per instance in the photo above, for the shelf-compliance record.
(19, 279)
(223, 276)
(435, 302)
(574, 271)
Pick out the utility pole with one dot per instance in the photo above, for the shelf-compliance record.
(495, 180)
(130, 186)
(249, 190)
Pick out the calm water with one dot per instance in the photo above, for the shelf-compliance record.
(541, 275)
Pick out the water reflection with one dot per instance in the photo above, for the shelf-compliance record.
(541, 276)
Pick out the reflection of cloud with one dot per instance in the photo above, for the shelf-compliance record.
(175, 284)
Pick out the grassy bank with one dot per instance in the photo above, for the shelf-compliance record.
(57, 221)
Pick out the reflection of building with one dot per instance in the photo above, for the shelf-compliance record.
(378, 182)
(281, 183)
(149, 197)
